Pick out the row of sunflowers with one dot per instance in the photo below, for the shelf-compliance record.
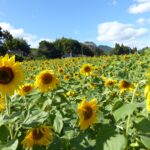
(98, 103)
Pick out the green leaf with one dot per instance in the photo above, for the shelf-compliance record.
(36, 118)
(70, 134)
(117, 142)
(117, 105)
(143, 126)
(12, 145)
(146, 141)
(2, 120)
(124, 110)
(105, 132)
(4, 133)
(58, 122)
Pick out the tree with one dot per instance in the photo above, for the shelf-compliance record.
(48, 49)
(4, 35)
(99, 52)
(16, 45)
(68, 46)
(121, 50)
(87, 51)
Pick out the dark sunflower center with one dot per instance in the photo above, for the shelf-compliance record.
(60, 70)
(6, 75)
(87, 113)
(27, 88)
(110, 83)
(37, 134)
(125, 84)
(47, 78)
(87, 69)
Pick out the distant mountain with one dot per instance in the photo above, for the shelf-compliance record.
(105, 48)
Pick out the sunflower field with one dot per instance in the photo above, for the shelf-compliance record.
(85, 103)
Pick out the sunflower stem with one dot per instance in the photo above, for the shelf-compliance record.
(132, 100)
(8, 107)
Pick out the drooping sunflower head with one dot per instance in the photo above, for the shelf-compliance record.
(125, 85)
(92, 85)
(41, 136)
(87, 113)
(11, 74)
(86, 69)
(109, 82)
(2, 103)
(25, 89)
(46, 80)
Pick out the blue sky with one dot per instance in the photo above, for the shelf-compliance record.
(104, 22)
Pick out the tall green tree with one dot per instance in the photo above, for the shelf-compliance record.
(16, 45)
(68, 46)
(48, 50)
(87, 51)
(4, 35)
(121, 49)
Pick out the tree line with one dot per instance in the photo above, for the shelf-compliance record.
(63, 47)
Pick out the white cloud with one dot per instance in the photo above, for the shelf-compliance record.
(20, 33)
(140, 6)
(116, 32)
(137, 43)
(141, 21)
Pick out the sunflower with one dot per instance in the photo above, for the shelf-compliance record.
(61, 70)
(109, 82)
(67, 77)
(125, 85)
(41, 136)
(103, 77)
(86, 69)
(46, 80)
(2, 103)
(147, 95)
(87, 113)
(25, 89)
(92, 85)
(11, 74)
(71, 93)
(76, 75)
(147, 90)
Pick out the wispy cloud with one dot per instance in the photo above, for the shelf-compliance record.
(140, 6)
(114, 2)
(143, 21)
(32, 39)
